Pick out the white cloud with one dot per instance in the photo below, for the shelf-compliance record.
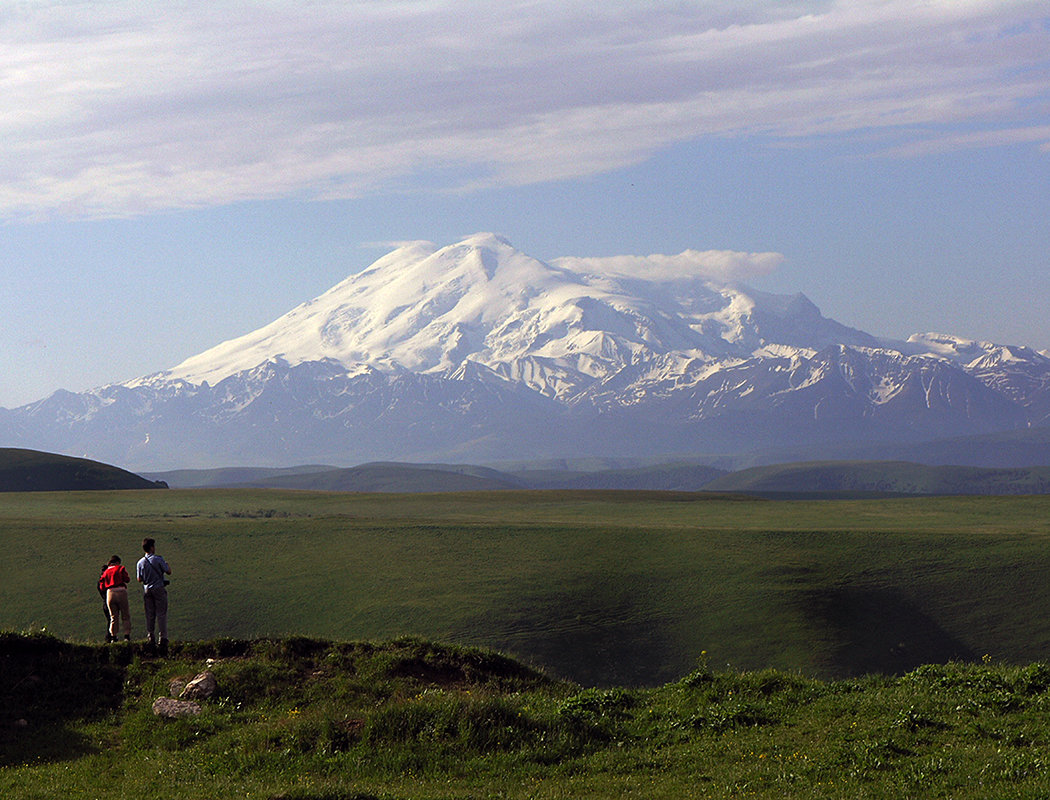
(115, 107)
(977, 139)
(721, 266)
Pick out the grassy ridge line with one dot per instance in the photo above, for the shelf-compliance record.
(33, 471)
(401, 477)
(884, 477)
(840, 478)
(309, 719)
(607, 588)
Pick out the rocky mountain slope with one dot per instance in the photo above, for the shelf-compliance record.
(479, 352)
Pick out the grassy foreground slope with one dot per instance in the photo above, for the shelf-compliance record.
(605, 588)
(305, 719)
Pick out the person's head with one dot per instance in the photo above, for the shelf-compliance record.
(148, 545)
(114, 560)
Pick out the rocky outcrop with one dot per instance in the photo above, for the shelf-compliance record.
(202, 687)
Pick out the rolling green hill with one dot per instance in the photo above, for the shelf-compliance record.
(230, 476)
(882, 477)
(300, 718)
(33, 471)
(658, 644)
(815, 479)
(405, 477)
(606, 588)
(389, 477)
(660, 477)
(373, 477)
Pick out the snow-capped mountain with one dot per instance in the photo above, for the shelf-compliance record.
(481, 302)
(479, 351)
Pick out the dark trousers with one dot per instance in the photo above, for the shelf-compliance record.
(156, 604)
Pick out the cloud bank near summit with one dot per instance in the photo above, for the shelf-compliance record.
(121, 108)
(717, 266)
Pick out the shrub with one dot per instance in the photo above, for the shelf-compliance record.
(471, 725)
(597, 706)
(720, 717)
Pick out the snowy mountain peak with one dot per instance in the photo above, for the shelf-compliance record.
(973, 354)
(947, 346)
(557, 327)
(569, 330)
(478, 348)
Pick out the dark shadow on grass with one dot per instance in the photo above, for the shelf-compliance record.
(600, 631)
(47, 686)
(326, 796)
(875, 629)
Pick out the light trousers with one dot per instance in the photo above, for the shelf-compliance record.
(117, 603)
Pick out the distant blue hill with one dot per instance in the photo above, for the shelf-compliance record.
(813, 478)
(883, 477)
(398, 477)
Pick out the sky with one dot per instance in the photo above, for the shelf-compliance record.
(176, 174)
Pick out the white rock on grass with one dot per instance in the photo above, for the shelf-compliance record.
(171, 708)
(200, 688)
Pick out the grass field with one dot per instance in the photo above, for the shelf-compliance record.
(302, 719)
(604, 588)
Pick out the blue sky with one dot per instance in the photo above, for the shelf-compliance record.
(176, 174)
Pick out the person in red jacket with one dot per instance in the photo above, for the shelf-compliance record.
(105, 605)
(115, 580)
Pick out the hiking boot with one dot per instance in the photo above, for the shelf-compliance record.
(109, 638)
(163, 650)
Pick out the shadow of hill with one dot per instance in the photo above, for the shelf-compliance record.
(597, 632)
(47, 685)
(876, 630)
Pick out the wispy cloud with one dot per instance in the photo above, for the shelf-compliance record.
(114, 107)
(720, 266)
(1000, 137)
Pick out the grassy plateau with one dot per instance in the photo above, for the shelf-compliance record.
(655, 645)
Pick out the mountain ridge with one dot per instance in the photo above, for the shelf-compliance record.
(477, 351)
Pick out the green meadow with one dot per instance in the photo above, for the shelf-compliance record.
(603, 588)
(532, 645)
